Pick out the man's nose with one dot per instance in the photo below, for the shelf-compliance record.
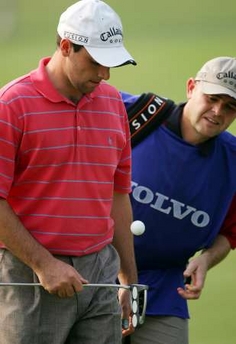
(218, 109)
(104, 73)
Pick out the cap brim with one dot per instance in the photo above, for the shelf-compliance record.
(210, 88)
(111, 57)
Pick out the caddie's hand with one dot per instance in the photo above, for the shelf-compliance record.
(60, 278)
(126, 312)
(196, 271)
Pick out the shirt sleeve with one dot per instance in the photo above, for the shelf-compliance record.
(10, 137)
(228, 228)
(122, 176)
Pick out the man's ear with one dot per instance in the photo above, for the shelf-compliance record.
(191, 84)
(65, 46)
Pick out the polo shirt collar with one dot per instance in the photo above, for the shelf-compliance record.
(44, 86)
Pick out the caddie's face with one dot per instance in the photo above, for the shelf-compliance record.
(208, 115)
(82, 73)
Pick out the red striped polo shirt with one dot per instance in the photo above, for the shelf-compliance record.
(60, 162)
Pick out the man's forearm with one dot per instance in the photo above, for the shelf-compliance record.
(123, 238)
(217, 252)
(18, 240)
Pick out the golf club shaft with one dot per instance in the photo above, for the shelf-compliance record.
(105, 285)
(11, 284)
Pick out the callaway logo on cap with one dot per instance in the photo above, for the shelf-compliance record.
(218, 76)
(95, 25)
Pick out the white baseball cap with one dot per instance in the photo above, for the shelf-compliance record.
(218, 76)
(96, 26)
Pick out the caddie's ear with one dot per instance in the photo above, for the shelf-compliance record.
(65, 46)
(191, 84)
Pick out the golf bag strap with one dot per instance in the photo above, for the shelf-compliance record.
(146, 114)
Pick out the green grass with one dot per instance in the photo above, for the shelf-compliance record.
(213, 315)
(170, 41)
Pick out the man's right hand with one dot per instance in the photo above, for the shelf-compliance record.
(60, 278)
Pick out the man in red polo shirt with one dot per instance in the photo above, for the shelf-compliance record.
(65, 173)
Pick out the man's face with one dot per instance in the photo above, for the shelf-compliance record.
(208, 115)
(81, 72)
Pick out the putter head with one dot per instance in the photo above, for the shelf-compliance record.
(139, 303)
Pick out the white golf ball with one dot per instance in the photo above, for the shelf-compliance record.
(137, 227)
